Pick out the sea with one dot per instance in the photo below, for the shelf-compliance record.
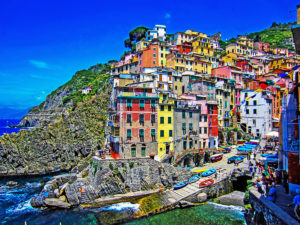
(5, 123)
(15, 208)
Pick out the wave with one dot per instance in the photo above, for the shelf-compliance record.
(228, 207)
(122, 206)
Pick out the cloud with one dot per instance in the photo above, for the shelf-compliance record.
(168, 16)
(38, 64)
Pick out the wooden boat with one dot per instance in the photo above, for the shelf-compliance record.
(241, 141)
(194, 179)
(199, 171)
(180, 185)
(224, 150)
(208, 172)
(216, 157)
(206, 183)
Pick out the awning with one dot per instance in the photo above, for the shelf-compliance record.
(273, 134)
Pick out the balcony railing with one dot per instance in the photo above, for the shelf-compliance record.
(138, 94)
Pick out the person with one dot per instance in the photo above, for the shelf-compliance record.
(236, 163)
(260, 186)
(254, 155)
(296, 202)
(272, 193)
(248, 156)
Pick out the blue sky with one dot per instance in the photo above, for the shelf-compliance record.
(43, 43)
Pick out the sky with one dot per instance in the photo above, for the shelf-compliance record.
(43, 43)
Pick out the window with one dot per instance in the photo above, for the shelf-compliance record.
(164, 97)
(169, 120)
(169, 108)
(129, 135)
(154, 48)
(191, 114)
(254, 102)
(247, 103)
(141, 132)
(128, 118)
(153, 132)
(153, 103)
(154, 62)
(205, 118)
(152, 118)
(154, 55)
(162, 120)
(162, 107)
(129, 103)
(141, 118)
(200, 118)
(170, 133)
(247, 111)
(184, 145)
(200, 130)
(183, 126)
(246, 95)
(142, 104)
(205, 130)
(162, 48)
(190, 126)
(175, 87)
(191, 144)
(162, 55)
(183, 114)
(254, 111)
(162, 133)
(254, 122)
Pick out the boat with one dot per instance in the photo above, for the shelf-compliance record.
(216, 157)
(206, 183)
(208, 172)
(199, 171)
(194, 179)
(241, 141)
(180, 185)
(224, 150)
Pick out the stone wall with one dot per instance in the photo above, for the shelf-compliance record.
(221, 187)
(266, 212)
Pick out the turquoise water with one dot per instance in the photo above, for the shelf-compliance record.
(208, 214)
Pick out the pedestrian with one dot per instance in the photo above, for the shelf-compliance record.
(254, 155)
(260, 186)
(248, 155)
(236, 163)
(272, 193)
(296, 202)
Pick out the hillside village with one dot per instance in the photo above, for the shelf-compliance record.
(182, 93)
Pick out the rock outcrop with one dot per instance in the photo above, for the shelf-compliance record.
(59, 144)
(234, 198)
(108, 178)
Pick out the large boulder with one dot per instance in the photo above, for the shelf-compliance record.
(54, 202)
(202, 197)
(234, 198)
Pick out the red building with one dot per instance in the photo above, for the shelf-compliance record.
(185, 47)
(262, 46)
(244, 65)
(212, 112)
(148, 57)
(137, 122)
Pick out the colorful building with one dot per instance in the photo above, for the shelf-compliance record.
(283, 63)
(201, 44)
(158, 32)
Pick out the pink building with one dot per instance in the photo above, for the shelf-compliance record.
(262, 46)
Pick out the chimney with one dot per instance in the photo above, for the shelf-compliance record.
(298, 14)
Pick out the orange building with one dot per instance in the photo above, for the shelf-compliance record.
(148, 57)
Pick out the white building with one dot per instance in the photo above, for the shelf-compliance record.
(158, 32)
(256, 113)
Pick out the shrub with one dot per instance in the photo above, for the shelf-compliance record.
(95, 166)
(116, 172)
(91, 162)
(111, 166)
(131, 164)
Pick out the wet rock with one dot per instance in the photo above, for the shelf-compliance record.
(71, 195)
(63, 198)
(56, 192)
(11, 183)
(37, 202)
(62, 189)
(202, 197)
(54, 202)
(234, 198)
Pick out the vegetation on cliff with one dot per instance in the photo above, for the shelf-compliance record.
(275, 35)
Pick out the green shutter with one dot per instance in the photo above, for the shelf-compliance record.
(152, 132)
(169, 119)
(141, 132)
(162, 133)
(183, 126)
(170, 133)
(183, 114)
(162, 120)
(153, 103)
(190, 126)
(129, 133)
(129, 103)
(142, 103)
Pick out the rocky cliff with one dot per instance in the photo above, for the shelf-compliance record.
(109, 180)
(66, 137)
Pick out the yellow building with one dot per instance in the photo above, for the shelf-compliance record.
(230, 59)
(165, 125)
(141, 45)
(239, 49)
(163, 51)
(283, 63)
(189, 62)
(177, 84)
(243, 40)
(201, 44)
